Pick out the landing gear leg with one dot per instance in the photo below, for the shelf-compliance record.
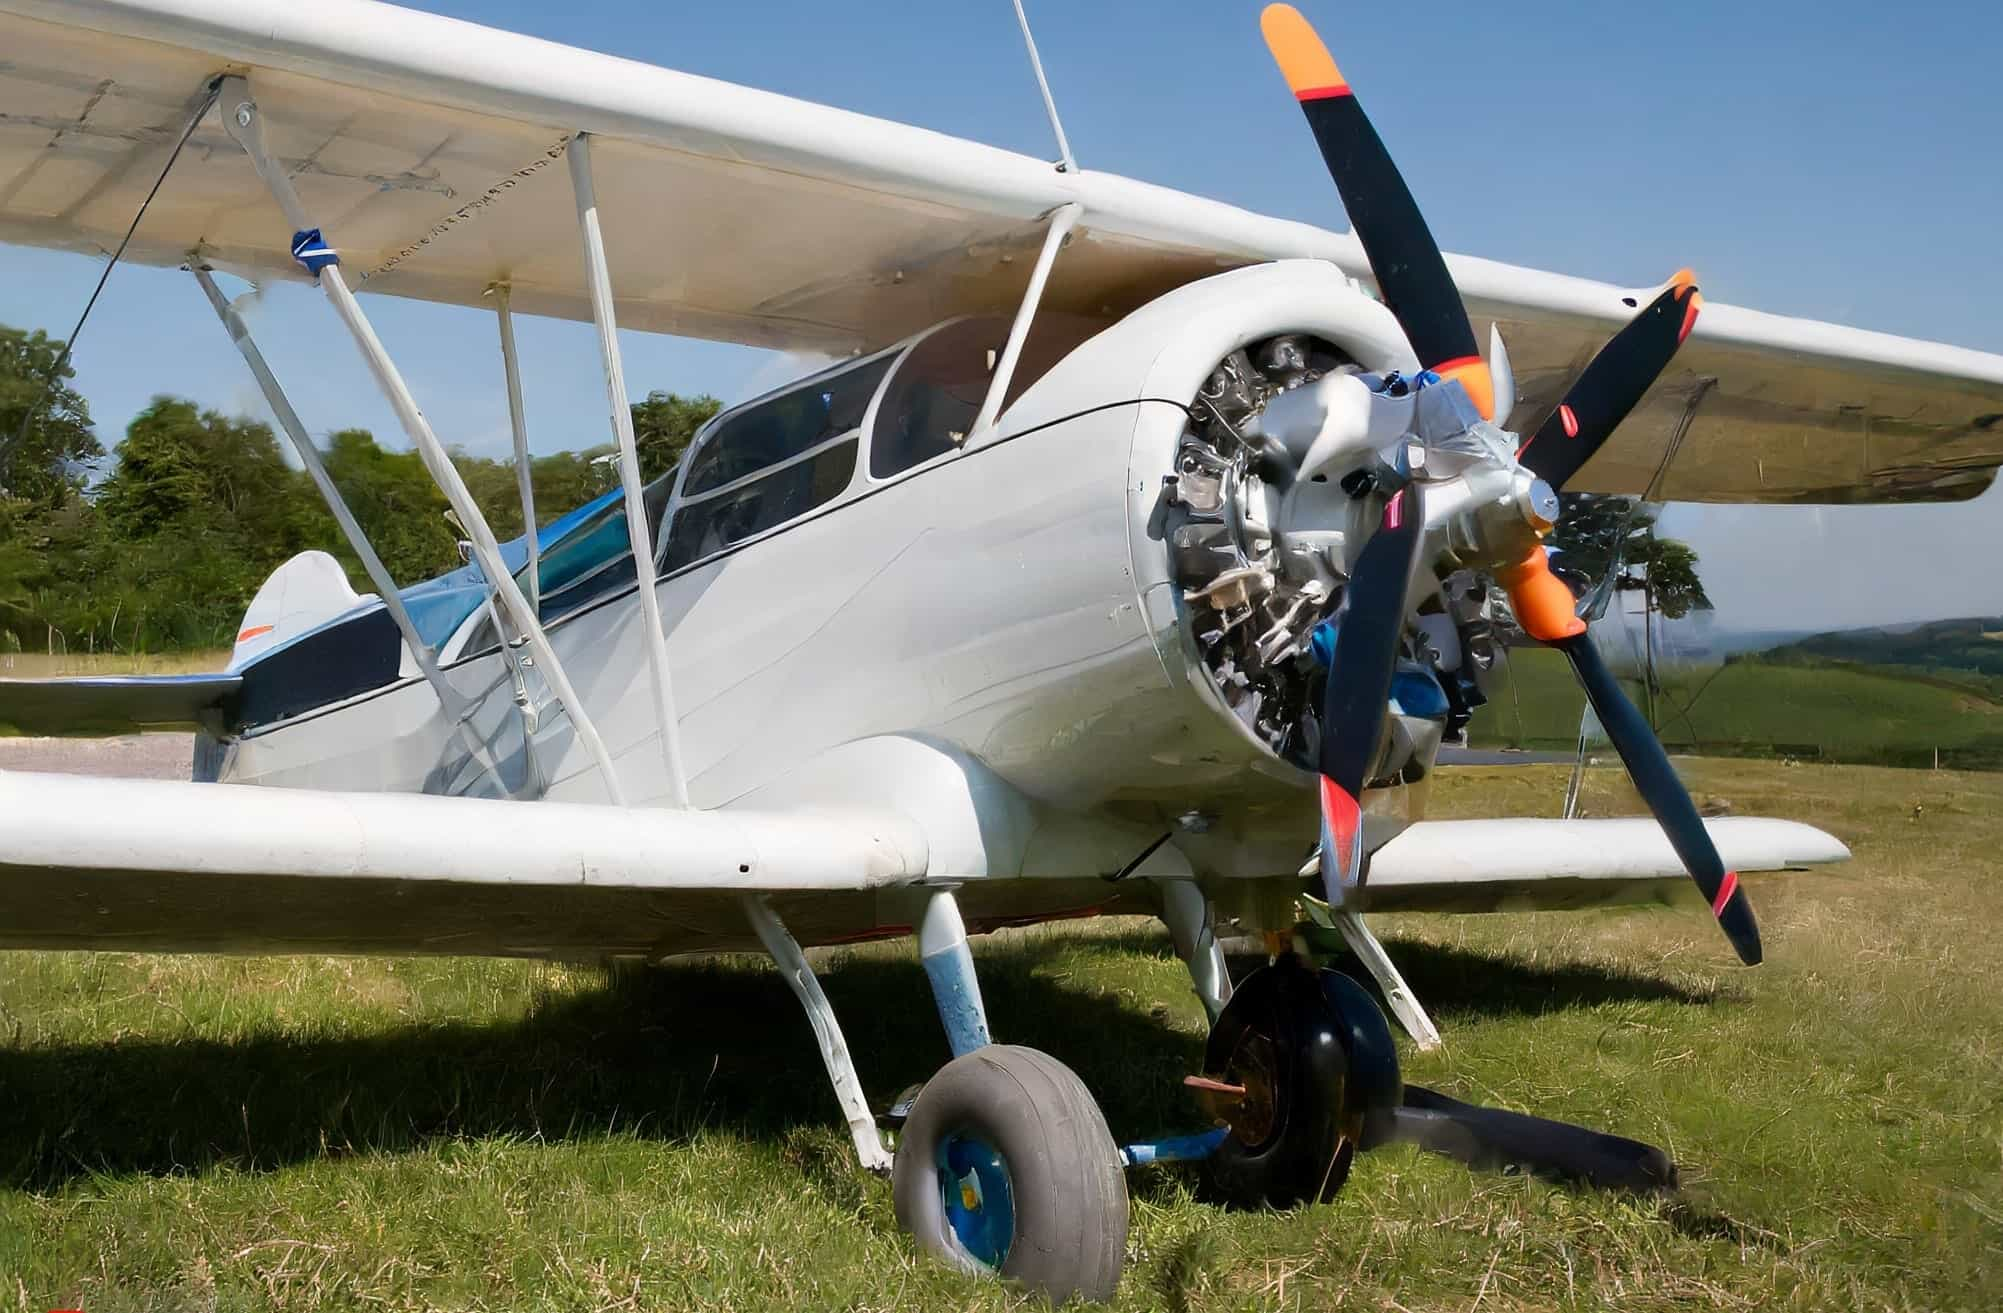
(792, 963)
(1404, 1003)
(1194, 930)
(949, 965)
(1004, 1163)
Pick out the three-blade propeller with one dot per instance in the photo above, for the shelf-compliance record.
(1412, 277)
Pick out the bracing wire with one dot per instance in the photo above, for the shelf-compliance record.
(63, 357)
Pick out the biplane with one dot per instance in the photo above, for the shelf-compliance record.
(1137, 554)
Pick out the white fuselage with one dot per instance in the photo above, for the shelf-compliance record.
(1003, 604)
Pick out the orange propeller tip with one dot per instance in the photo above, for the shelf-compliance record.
(1304, 61)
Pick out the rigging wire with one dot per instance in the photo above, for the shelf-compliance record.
(62, 358)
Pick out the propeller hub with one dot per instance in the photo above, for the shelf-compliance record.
(1539, 504)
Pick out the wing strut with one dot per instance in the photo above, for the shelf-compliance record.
(240, 119)
(518, 422)
(1062, 220)
(1065, 162)
(599, 277)
(454, 705)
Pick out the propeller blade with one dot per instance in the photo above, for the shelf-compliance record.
(1494, 1138)
(1655, 779)
(1411, 274)
(1613, 382)
(1355, 697)
(1544, 608)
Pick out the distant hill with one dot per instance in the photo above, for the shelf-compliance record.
(1973, 644)
(1895, 695)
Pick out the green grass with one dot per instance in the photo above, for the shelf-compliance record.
(363, 1134)
(1879, 715)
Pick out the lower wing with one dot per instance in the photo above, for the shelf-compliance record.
(162, 865)
(1519, 864)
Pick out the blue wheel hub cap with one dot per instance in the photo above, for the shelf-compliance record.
(978, 1197)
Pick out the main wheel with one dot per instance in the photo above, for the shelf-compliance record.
(1006, 1166)
(1316, 1078)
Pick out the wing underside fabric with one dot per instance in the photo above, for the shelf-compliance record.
(430, 151)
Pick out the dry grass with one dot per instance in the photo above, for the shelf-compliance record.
(345, 1134)
(44, 665)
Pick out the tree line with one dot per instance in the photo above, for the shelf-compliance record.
(160, 545)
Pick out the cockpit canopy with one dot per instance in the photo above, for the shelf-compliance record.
(774, 460)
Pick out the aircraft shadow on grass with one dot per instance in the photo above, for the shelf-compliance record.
(664, 1053)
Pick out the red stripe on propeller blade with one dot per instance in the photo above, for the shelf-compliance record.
(1728, 887)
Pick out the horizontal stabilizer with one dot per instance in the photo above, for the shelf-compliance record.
(1519, 864)
(166, 865)
(98, 705)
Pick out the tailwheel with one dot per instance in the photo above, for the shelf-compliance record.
(1300, 1067)
(1005, 1166)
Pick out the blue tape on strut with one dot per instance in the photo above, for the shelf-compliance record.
(311, 249)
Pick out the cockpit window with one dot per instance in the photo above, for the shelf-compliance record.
(714, 521)
(772, 461)
(931, 401)
(778, 429)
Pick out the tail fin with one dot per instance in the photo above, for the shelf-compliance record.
(306, 591)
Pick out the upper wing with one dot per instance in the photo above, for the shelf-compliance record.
(433, 149)
(1516, 864)
(165, 865)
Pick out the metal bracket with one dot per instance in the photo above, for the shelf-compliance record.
(792, 963)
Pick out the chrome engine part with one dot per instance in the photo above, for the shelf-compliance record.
(1271, 499)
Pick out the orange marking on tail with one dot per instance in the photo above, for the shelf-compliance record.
(1304, 61)
(1684, 281)
(255, 631)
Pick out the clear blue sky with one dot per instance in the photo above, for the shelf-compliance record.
(1838, 160)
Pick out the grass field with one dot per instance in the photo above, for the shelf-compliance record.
(44, 665)
(1849, 713)
(361, 1134)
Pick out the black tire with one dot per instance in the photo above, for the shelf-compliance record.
(1068, 1192)
(1279, 1037)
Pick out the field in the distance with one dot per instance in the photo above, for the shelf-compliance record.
(349, 1134)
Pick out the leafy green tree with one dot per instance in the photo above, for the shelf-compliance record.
(200, 509)
(1595, 530)
(398, 506)
(663, 424)
(39, 464)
